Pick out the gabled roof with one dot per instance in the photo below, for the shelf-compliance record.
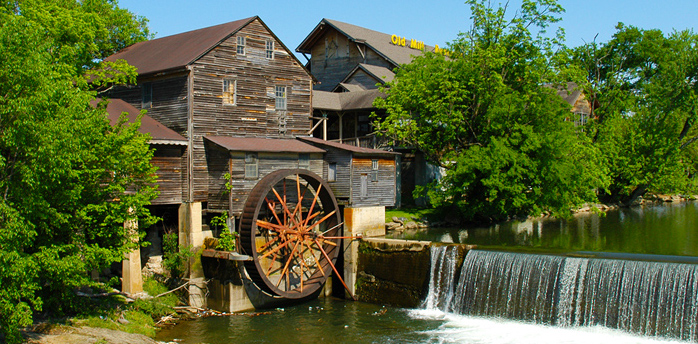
(377, 41)
(346, 147)
(255, 144)
(380, 74)
(342, 101)
(177, 51)
(159, 134)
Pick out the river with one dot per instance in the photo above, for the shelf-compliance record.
(655, 230)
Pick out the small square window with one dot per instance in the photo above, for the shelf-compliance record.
(280, 93)
(229, 92)
(251, 166)
(270, 49)
(241, 45)
(332, 172)
(303, 160)
(147, 96)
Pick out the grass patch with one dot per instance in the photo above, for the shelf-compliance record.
(135, 317)
(410, 213)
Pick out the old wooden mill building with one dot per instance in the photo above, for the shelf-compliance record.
(240, 126)
(228, 107)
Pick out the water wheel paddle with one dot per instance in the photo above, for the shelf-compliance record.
(290, 226)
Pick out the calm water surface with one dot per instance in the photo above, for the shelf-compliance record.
(670, 229)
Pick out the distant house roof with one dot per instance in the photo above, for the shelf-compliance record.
(573, 95)
(346, 147)
(178, 51)
(159, 134)
(380, 74)
(378, 41)
(254, 144)
(356, 100)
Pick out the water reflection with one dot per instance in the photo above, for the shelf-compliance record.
(659, 229)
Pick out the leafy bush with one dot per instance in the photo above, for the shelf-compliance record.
(175, 257)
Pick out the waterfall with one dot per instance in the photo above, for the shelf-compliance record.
(650, 298)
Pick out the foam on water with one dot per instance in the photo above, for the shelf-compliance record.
(480, 330)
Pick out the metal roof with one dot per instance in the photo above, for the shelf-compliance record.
(357, 100)
(378, 41)
(177, 51)
(159, 134)
(255, 144)
(346, 147)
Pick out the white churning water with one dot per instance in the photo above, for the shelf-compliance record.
(503, 297)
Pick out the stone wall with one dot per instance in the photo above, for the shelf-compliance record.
(393, 272)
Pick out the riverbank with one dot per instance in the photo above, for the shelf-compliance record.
(84, 335)
(399, 220)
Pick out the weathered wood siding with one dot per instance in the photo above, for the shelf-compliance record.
(169, 103)
(219, 197)
(341, 187)
(333, 64)
(380, 192)
(254, 114)
(170, 161)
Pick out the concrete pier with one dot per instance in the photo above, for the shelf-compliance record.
(365, 222)
(131, 278)
(191, 234)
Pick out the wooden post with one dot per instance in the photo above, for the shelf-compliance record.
(131, 278)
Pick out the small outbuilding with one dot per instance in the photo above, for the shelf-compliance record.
(244, 161)
(359, 177)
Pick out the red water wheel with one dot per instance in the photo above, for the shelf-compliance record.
(290, 226)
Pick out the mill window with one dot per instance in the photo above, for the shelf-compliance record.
(147, 96)
(241, 45)
(280, 92)
(230, 92)
(251, 166)
(270, 49)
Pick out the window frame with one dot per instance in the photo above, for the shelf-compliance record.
(304, 160)
(332, 172)
(375, 166)
(147, 95)
(280, 98)
(230, 98)
(241, 43)
(251, 164)
(269, 49)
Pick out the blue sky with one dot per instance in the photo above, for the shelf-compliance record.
(430, 21)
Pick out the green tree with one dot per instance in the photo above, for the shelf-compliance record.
(68, 179)
(644, 83)
(488, 113)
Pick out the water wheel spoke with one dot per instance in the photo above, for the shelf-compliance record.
(268, 243)
(322, 220)
(272, 207)
(275, 249)
(275, 227)
(334, 268)
(288, 261)
(284, 206)
(271, 265)
(317, 262)
(312, 205)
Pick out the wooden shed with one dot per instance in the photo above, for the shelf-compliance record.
(359, 177)
(244, 161)
(169, 147)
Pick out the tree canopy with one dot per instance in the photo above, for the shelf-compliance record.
(69, 180)
(489, 113)
(645, 85)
